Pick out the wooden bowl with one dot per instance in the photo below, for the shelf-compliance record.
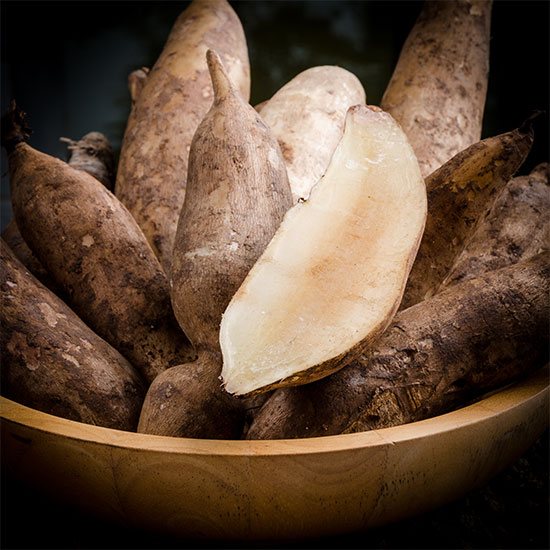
(274, 490)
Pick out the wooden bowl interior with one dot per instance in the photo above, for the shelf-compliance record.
(280, 489)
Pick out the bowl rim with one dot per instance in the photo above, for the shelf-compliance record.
(497, 402)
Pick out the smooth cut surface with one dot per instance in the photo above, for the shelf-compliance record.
(335, 270)
(273, 490)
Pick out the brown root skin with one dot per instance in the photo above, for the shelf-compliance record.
(93, 154)
(93, 248)
(217, 241)
(460, 194)
(136, 81)
(252, 406)
(541, 170)
(307, 116)
(259, 106)
(220, 81)
(52, 362)
(437, 355)
(438, 89)
(237, 194)
(516, 228)
(14, 128)
(13, 238)
(187, 401)
(174, 98)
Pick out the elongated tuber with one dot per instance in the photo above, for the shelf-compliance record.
(237, 194)
(53, 362)
(93, 154)
(439, 86)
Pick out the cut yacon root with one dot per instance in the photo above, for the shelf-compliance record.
(333, 275)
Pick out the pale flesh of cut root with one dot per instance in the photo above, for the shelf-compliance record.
(332, 277)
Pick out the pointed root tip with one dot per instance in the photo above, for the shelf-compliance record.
(220, 80)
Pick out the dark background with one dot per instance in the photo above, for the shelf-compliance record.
(66, 64)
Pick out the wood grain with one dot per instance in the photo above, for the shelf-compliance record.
(276, 490)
